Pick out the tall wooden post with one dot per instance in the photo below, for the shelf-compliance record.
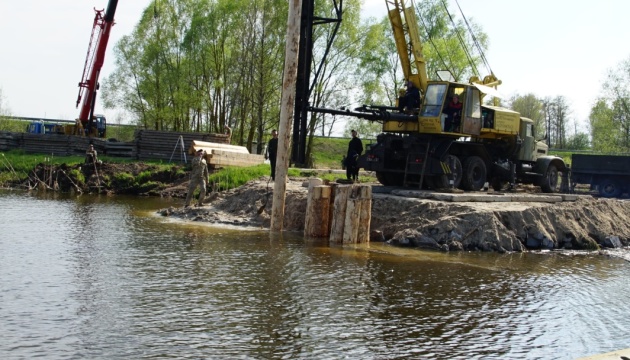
(286, 113)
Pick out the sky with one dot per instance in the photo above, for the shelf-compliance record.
(544, 47)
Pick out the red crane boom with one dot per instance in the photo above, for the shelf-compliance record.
(92, 69)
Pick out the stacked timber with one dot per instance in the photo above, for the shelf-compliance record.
(77, 145)
(170, 145)
(52, 144)
(60, 145)
(9, 140)
(122, 149)
(221, 155)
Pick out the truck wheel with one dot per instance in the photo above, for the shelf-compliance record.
(549, 182)
(382, 178)
(609, 188)
(389, 179)
(443, 181)
(497, 184)
(474, 174)
(456, 169)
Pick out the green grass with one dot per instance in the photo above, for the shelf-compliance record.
(327, 152)
(233, 177)
(7, 124)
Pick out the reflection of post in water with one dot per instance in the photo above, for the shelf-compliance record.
(340, 212)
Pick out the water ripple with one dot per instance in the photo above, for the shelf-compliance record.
(90, 278)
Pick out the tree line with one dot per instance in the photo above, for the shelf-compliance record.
(199, 65)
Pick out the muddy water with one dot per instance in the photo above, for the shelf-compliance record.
(99, 277)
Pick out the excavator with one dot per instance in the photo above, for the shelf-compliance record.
(88, 123)
(477, 146)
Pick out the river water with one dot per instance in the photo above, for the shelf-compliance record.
(105, 278)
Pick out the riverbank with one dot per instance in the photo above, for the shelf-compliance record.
(400, 217)
(587, 223)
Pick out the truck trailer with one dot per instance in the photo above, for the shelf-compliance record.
(609, 175)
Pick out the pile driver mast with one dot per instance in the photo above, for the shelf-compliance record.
(103, 23)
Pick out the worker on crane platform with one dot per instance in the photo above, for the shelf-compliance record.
(409, 102)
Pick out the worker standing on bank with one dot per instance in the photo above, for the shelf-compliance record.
(355, 149)
(198, 177)
(91, 156)
(272, 152)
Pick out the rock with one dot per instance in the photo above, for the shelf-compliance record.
(612, 242)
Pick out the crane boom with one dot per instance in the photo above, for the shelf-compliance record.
(88, 86)
(408, 44)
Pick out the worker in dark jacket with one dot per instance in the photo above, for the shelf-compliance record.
(411, 100)
(453, 113)
(355, 149)
(272, 152)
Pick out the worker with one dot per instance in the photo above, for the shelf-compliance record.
(355, 149)
(228, 132)
(411, 100)
(198, 177)
(91, 156)
(453, 114)
(272, 152)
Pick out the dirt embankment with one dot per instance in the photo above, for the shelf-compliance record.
(587, 223)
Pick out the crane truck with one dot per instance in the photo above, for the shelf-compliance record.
(490, 144)
(88, 123)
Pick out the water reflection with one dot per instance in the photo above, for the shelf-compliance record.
(102, 277)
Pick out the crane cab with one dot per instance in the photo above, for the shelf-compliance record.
(440, 113)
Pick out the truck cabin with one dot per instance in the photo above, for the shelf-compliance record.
(97, 127)
(101, 125)
(455, 108)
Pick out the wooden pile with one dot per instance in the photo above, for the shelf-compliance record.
(221, 155)
(170, 146)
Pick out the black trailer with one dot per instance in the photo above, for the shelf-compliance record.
(608, 174)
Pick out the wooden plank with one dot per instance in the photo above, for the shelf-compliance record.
(209, 147)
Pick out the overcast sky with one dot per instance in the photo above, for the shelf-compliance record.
(546, 47)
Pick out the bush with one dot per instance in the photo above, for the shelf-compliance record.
(78, 175)
(123, 180)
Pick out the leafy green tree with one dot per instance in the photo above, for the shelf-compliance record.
(605, 133)
(199, 65)
(610, 116)
(530, 107)
(448, 43)
(366, 129)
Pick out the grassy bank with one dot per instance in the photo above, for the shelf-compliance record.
(16, 166)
